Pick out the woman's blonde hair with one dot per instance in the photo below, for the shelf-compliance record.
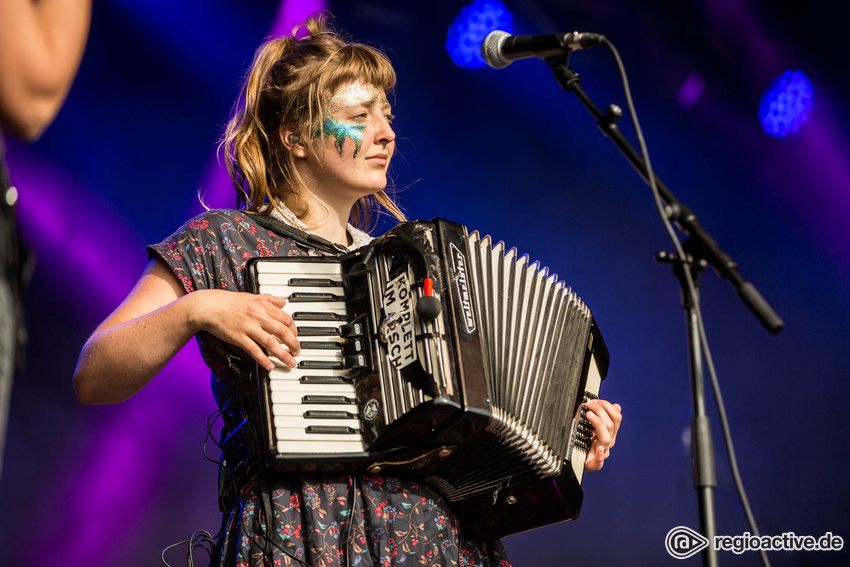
(290, 82)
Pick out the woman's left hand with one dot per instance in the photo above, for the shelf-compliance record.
(605, 418)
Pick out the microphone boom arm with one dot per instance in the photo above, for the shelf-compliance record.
(699, 242)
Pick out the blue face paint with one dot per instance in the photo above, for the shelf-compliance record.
(341, 130)
(351, 95)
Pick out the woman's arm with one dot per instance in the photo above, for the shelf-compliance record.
(41, 46)
(158, 318)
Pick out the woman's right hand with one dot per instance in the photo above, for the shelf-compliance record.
(158, 318)
(251, 322)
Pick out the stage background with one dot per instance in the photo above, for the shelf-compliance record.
(505, 152)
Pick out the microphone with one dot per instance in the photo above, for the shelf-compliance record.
(500, 48)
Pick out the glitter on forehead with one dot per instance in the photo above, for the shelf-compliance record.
(354, 94)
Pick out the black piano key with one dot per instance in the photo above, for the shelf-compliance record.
(318, 331)
(321, 365)
(324, 380)
(317, 316)
(314, 282)
(320, 345)
(316, 399)
(301, 297)
(319, 414)
(330, 429)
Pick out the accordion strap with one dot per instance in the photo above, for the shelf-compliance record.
(298, 235)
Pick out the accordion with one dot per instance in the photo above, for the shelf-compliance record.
(439, 355)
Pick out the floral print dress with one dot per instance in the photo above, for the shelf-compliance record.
(318, 519)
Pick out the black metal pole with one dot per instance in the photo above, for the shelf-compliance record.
(684, 218)
(702, 447)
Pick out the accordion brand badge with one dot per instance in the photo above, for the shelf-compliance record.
(371, 410)
(462, 283)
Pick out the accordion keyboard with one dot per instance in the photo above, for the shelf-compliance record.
(313, 406)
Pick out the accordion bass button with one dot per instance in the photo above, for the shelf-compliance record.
(354, 362)
(353, 347)
(351, 330)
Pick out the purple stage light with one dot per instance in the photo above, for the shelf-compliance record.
(786, 104)
(293, 12)
(691, 91)
(471, 26)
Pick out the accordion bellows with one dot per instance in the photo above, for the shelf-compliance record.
(534, 331)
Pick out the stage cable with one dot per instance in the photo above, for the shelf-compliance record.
(691, 289)
(267, 527)
(350, 529)
(201, 539)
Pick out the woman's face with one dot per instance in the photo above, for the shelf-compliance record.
(357, 141)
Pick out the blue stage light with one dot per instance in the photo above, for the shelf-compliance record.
(786, 104)
(471, 26)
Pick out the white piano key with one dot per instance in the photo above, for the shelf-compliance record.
(297, 390)
(284, 279)
(303, 269)
(299, 434)
(320, 354)
(284, 291)
(317, 355)
(296, 422)
(310, 389)
(326, 447)
(286, 373)
(298, 409)
(289, 397)
(337, 307)
(309, 354)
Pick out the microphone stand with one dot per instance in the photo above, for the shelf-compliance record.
(702, 242)
(702, 448)
(701, 250)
